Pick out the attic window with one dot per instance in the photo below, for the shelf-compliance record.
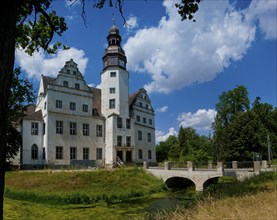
(74, 72)
(68, 71)
(77, 86)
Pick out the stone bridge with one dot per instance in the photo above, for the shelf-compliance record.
(204, 176)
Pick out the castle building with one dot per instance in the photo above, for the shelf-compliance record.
(75, 124)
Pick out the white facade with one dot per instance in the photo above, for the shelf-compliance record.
(74, 124)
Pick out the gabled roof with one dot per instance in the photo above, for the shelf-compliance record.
(46, 80)
(37, 116)
(133, 97)
(96, 99)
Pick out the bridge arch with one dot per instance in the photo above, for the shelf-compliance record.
(179, 182)
(210, 181)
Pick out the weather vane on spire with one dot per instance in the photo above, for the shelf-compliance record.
(113, 20)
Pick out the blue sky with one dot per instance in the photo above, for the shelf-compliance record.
(183, 65)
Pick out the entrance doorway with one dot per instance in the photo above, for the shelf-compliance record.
(128, 156)
(119, 154)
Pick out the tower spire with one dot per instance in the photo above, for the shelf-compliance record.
(113, 20)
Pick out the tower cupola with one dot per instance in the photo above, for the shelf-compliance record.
(114, 55)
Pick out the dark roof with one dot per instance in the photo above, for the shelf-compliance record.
(30, 109)
(37, 116)
(46, 81)
(133, 97)
(96, 99)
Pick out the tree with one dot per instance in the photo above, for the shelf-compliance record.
(230, 104)
(29, 25)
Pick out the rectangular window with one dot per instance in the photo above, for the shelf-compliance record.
(59, 104)
(149, 137)
(98, 153)
(85, 108)
(59, 127)
(149, 154)
(43, 128)
(119, 140)
(74, 72)
(65, 83)
(68, 71)
(128, 123)
(112, 103)
(139, 135)
(128, 141)
(112, 90)
(147, 106)
(72, 106)
(119, 122)
(73, 128)
(113, 74)
(138, 118)
(59, 153)
(99, 131)
(85, 153)
(150, 121)
(34, 128)
(73, 153)
(77, 86)
(34, 149)
(43, 153)
(144, 120)
(86, 129)
(140, 154)
(45, 103)
(140, 104)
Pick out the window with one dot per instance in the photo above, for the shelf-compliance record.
(112, 90)
(72, 106)
(59, 153)
(74, 72)
(128, 123)
(140, 154)
(138, 118)
(147, 106)
(85, 153)
(86, 129)
(77, 86)
(98, 153)
(140, 104)
(119, 140)
(73, 128)
(98, 130)
(149, 137)
(43, 153)
(43, 128)
(85, 108)
(45, 105)
(150, 121)
(119, 122)
(128, 141)
(112, 103)
(59, 127)
(34, 151)
(144, 120)
(113, 74)
(68, 71)
(139, 135)
(65, 83)
(149, 154)
(73, 155)
(34, 128)
(59, 104)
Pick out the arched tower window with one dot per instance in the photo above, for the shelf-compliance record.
(34, 152)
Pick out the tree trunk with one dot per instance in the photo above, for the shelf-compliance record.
(7, 50)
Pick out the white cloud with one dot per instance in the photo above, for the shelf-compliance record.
(162, 109)
(49, 65)
(178, 53)
(161, 136)
(132, 22)
(266, 13)
(201, 120)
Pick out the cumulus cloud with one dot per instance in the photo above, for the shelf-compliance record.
(161, 136)
(132, 22)
(162, 109)
(49, 65)
(266, 13)
(179, 53)
(200, 120)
